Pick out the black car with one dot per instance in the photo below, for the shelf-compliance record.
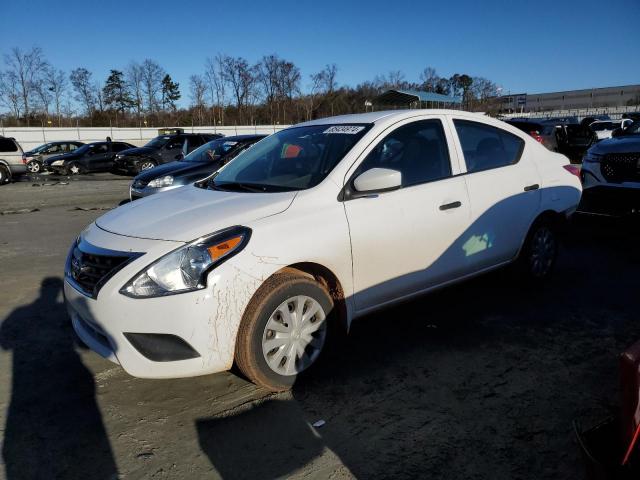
(33, 159)
(92, 157)
(197, 165)
(162, 149)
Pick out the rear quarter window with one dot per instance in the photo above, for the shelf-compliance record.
(486, 147)
(7, 145)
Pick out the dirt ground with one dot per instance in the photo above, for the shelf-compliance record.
(479, 381)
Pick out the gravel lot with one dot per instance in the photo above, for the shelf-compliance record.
(482, 380)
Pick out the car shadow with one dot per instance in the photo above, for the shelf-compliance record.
(54, 428)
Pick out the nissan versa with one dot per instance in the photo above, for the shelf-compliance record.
(312, 227)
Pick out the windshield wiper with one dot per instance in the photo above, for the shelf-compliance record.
(239, 186)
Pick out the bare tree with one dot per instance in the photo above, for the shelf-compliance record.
(134, 78)
(152, 75)
(198, 89)
(429, 79)
(43, 94)
(242, 79)
(24, 70)
(10, 93)
(57, 84)
(216, 83)
(84, 88)
(393, 80)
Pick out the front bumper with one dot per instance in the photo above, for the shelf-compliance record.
(206, 320)
(602, 197)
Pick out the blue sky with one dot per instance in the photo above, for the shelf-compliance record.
(531, 46)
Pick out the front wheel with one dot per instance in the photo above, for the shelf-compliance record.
(146, 165)
(75, 169)
(34, 166)
(4, 174)
(283, 331)
(539, 252)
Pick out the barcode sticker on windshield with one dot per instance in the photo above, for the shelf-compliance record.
(348, 129)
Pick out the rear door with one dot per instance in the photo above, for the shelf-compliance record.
(404, 241)
(504, 190)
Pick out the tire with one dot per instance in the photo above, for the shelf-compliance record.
(538, 255)
(74, 168)
(4, 175)
(277, 369)
(146, 165)
(34, 166)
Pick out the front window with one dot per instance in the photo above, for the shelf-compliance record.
(211, 151)
(633, 129)
(158, 141)
(293, 159)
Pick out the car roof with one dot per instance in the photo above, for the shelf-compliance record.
(375, 117)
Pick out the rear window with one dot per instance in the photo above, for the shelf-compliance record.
(8, 145)
(486, 147)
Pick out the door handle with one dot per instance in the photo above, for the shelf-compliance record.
(449, 206)
(528, 188)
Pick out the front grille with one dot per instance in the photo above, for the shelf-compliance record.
(621, 167)
(90, 271)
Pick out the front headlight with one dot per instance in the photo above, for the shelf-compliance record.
(186, 269)
(592, 157)
(165, 181)
(57, 163)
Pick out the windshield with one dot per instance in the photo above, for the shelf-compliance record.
(41, 148)
(84, 148)
(211, 151)
(293, 159)
(158, 141)
(632, 129)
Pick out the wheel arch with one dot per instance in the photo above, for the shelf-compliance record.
(5, 164)
(329, 280)
(555, 218)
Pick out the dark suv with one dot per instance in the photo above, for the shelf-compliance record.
(160, 150)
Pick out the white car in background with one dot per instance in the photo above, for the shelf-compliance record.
(312, 227)
(604, 128)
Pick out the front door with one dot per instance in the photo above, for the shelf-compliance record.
(403, 241)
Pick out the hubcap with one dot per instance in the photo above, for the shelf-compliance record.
(34, 167)
(294, 335)
(543, 250)
(75, 169)
(146, 166)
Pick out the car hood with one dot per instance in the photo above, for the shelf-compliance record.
(189, 212)
(175, 169)
(64, 156)
(138, 151)
(617, 145)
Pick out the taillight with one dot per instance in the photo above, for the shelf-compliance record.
(24, 159)
(573, 169)
(535, 134)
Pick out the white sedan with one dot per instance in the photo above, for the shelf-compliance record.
(312, 227)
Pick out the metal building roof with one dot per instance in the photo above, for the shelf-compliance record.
(409, 96)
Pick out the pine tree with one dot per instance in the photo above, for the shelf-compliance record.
(115, 92)
(170, 92)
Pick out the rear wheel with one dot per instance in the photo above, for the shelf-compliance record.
(538, 256)
(34, 167)
(283, 331)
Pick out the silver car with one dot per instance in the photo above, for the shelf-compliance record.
(10, 159)
(34, 159)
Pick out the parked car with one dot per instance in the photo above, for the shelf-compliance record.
(10, 159)
(573, 138)
(611, 174)
(545, 134)
(33, 158)
(92, 157)
(162, 149)
(198, 165)
(315, 225)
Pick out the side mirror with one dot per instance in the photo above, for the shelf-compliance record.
(378, 180)
(616, 132)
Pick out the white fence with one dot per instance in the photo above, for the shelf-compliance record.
(614, 112)
(31, 137)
